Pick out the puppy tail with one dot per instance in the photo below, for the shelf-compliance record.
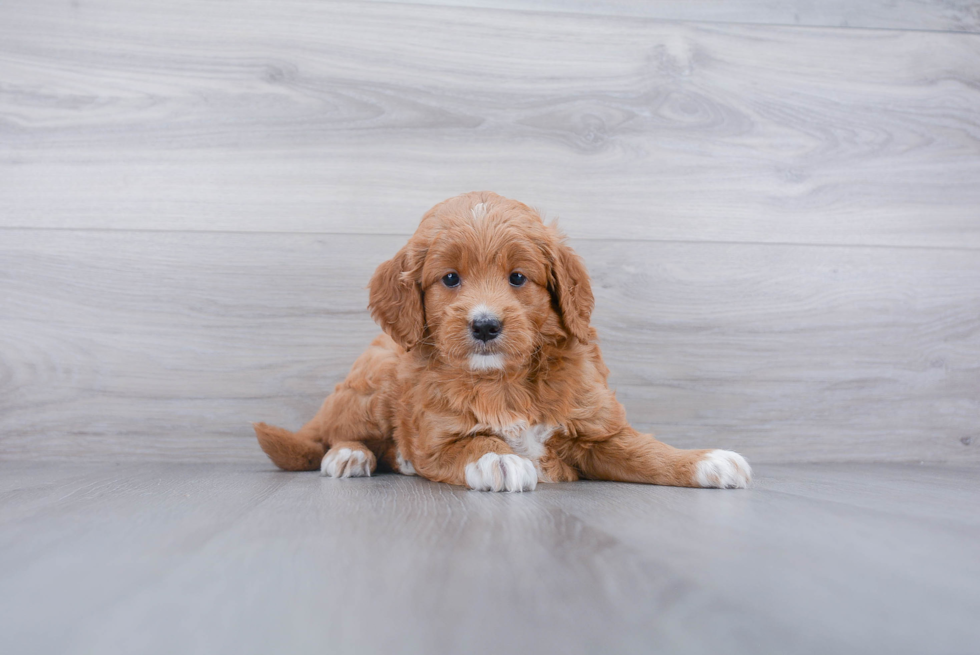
(287, 450)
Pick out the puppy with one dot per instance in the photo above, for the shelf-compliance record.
(488, 374)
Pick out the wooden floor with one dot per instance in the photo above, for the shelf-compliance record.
(184, 558)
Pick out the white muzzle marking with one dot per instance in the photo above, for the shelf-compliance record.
(490, 362)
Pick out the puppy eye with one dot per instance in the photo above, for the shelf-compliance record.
(517, 279)
(451, 280)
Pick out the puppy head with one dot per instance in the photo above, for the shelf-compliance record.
(483, 283)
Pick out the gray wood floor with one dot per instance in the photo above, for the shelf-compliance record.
(185, 558)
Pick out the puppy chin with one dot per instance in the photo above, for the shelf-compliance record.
(486, 362)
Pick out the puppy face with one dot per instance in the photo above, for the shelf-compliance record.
(483, 284)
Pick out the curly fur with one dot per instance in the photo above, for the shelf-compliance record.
(429, 394)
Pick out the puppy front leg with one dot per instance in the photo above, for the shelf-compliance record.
(628, 456)
(481, 463)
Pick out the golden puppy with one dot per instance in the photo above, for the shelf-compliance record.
(489, 375)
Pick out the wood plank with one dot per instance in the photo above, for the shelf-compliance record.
(784, 551)
(137, 345)
(355, 118)
(936, 494)
(195, 558)
(937, 15)
(478, 575)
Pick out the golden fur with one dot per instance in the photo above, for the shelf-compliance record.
(416, 396)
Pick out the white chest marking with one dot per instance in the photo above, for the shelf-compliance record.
(528, 441)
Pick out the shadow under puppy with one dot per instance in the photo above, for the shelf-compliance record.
(489, 374)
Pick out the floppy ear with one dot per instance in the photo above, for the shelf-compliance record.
(570, 287)
(396, 297)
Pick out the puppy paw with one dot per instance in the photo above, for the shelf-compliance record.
(494, 472)
(723, 469)
(346, 463)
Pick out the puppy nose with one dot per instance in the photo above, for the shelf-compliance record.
(485, 328)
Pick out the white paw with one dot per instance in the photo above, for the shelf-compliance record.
(403, 465)
(494, 472)
(345, 463)
(723, 469)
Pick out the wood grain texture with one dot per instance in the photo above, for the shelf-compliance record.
(352, 117)
(782, 222)
(938, 15)
(182, 558)
(136, 345)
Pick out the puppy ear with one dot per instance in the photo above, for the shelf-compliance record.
(570, 287)
(396, 297)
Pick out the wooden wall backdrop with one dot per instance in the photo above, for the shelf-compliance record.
(779, 203)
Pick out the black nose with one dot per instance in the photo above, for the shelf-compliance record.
(485, 328)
